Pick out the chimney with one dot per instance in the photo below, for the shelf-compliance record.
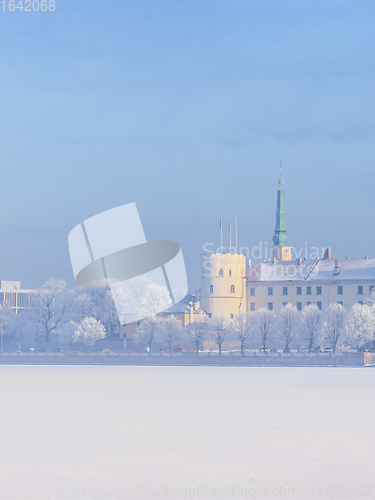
(336, 269)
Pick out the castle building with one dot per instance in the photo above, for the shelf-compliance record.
(223, 284)
(228, 287)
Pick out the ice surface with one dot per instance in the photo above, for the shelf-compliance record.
(78, 432)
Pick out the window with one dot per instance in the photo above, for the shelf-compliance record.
(209, 315)
(341, 303)
(299, 306)
(22, 300)
(2, 297)
(340, 290)
(299, 290)
(252, 291)
(230, 272)
(360, 302)
(285, 290)
(270, 290)
(360, 290)
(231, 316)
(371, 288)
(270, 306)
(308, 290)
(319, 304)
(10, 297)
(309, 303)
(252, 306)
(319, 290)
(220, 273)
(211, 289)
(232, 289)
(284, 303)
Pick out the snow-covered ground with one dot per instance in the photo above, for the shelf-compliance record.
(117, 432)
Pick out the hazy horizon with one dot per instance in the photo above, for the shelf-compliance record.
(186, 109)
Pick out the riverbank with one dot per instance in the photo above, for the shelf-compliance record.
(187, 359)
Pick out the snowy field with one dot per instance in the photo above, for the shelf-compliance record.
(82, 432)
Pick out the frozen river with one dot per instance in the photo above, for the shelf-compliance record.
(87, 432)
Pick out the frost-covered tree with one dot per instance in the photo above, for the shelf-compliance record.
(219, 330)
(6, 316)
(241, 328)
(371, 298)
(333, 324)
(197, 333)
(360, 324)
(147, 331)
(68, 332)
(50, 307)
(89, 331)
(140, 298)
(310, 325)
(6, 320)
(262, 323)
(286, 324)
(169, 333)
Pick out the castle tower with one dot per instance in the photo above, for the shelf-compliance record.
(280, 249)
(223, 284)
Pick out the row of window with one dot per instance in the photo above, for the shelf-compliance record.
(318, 291)
(15, 299)
(220, 274)
(232, 289)
(299, 305)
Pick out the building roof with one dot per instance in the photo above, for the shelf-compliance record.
(310, 270)
(183, 306)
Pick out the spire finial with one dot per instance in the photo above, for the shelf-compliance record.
(281, 180)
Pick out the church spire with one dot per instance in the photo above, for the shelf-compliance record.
(280, 237)
(280, 250)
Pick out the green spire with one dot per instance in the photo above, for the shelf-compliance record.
(280, 237)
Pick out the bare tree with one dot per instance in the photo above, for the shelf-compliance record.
(241, 327)
(219, 330)
(286, 324)
(49, 307)
(333, 324)
(197, 333)
(262, 322)
(147, 331)
(169, 332)
(310, 325)
(360, 324)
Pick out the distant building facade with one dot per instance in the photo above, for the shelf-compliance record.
(17, 298)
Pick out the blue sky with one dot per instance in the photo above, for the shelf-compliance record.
(186, 108)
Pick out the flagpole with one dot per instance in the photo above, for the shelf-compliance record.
(221, 236)
(236, 234)
(230, 236)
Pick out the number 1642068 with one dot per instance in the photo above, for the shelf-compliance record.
(28, 5)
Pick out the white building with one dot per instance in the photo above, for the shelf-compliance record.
(301, 283)
(17, 298)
